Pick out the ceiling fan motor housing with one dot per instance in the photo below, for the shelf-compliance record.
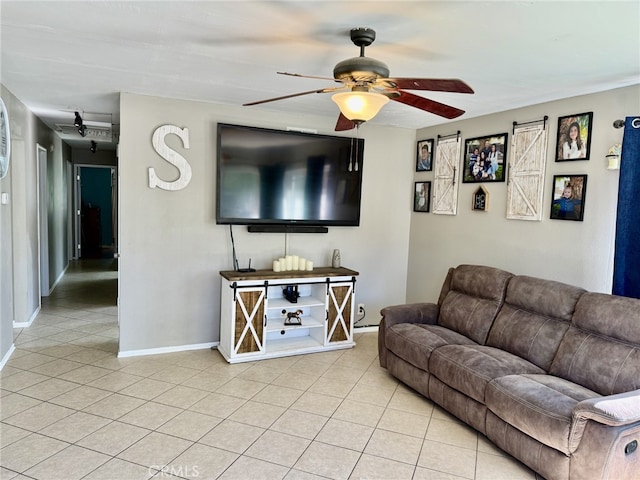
(360, 69)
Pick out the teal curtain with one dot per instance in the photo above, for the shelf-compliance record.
(626, 266)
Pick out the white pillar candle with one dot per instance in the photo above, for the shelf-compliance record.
(302, 264)
(289, 262)
(283, 264)
(309, 265)
(276, 265)
(295, 262)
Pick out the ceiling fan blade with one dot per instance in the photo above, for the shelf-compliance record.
(344, 124)
(322, 90)
(427, 105)
(307, 76)
(433, 84)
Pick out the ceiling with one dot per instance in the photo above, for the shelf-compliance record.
(60, 57)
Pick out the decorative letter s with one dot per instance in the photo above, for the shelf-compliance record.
(172, 157)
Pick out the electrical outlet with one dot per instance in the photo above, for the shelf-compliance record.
(361, 309)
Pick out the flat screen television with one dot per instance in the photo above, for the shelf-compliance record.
(275, 177)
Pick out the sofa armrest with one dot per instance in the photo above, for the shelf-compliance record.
(425, 313)
(612, 410)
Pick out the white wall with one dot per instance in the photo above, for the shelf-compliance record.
(172, 250)
(579, 253)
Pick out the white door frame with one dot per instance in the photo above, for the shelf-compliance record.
(43, 221)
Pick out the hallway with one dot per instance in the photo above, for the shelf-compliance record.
(80, 314)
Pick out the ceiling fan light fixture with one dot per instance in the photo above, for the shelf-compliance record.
(359, 106)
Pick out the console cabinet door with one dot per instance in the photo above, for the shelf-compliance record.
(339, 313)
(249, 320)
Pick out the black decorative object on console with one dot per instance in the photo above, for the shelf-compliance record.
(291, 293)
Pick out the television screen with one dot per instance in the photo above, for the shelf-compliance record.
(275, 177)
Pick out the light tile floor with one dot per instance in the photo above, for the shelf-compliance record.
(70, 409)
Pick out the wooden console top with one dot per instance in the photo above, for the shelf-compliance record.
(232, 275)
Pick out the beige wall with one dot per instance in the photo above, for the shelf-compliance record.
(579, 253)
(19, 247)
(172, 250)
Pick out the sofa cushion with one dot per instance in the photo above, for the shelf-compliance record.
(469, 368)
(473, 300)
(539, 405)
(534, 318)
(414, 343)
(601, 349)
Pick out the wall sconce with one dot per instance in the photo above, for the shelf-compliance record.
(613, 157)
(359, 106)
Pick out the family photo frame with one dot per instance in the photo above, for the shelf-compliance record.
(424, 156)
(568, 195)
(422, 197)
(574, 137)
(485, 159)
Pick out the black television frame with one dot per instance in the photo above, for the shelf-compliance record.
(269, 225)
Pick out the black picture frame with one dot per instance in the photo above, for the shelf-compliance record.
(568, 193)
(485, 159)
(424, 164)
(422, 197)
(567, 150)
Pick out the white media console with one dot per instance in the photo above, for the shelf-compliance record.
(254, 324)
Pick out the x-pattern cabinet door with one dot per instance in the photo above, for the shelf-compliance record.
(339, 312)
(250, 318)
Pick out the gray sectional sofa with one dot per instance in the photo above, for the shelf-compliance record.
(549, 372)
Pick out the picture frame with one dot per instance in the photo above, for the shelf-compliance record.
(424, 155)
(422, 197)
(568, 196)
(485, 159)
(578, 148)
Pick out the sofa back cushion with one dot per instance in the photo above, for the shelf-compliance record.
(473, 300)
(534, 318)
(601, 349)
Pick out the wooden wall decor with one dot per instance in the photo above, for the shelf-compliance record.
(446, 176)
(480, 201)
(527, 162)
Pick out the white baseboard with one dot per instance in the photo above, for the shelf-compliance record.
(161, 350)
(7, 355)
(28, 322)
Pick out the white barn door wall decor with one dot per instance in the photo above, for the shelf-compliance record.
(446, 175)
(525, 183)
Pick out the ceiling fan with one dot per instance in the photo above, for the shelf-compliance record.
(366, 87)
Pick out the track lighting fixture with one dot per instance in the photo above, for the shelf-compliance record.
(82, 130)
(78, 121)
(94, 147)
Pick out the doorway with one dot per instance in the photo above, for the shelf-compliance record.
(43, 221)
(96, 212)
